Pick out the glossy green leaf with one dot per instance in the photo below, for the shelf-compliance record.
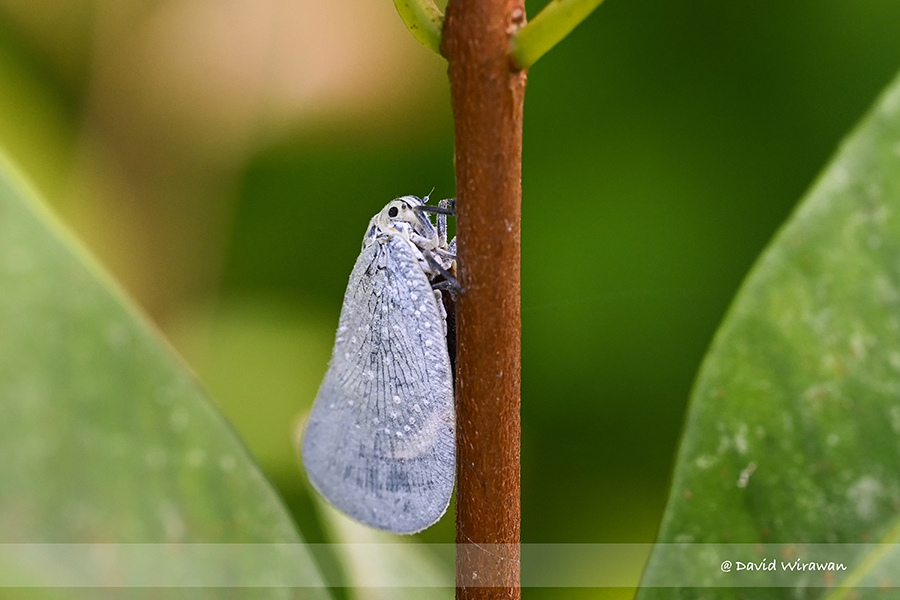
(105, 436)
(793, 431)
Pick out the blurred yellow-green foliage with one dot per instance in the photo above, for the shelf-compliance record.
(222, 159)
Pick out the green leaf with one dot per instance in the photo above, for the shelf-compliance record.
(424, 20)
(105, 437)
(793, 431)
(555, 21)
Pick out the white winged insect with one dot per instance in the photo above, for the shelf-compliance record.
(380, 440)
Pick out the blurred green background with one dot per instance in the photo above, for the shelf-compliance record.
(222, 159)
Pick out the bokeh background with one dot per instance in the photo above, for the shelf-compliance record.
(222, 159)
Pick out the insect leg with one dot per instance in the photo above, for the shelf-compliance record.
(449, 282)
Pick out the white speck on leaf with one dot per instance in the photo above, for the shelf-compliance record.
(865, 494)
(740, 439)
(704, 461)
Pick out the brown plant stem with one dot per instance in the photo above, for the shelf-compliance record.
(487, 95)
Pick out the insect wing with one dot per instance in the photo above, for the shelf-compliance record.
(380, 440)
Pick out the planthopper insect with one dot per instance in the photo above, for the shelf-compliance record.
(380, 440)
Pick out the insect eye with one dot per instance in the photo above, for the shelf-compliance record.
(393, 211)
